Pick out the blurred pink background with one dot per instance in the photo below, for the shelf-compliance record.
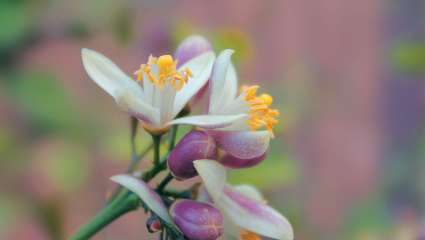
(347, 76)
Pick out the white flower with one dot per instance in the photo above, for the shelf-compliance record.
(243, 137)
(245, 211)
(161, 90)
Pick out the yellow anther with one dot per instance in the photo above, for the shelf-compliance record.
(250, 91)
(248, 235)
(167, 73)
(260, 115)
(166, 65)
(267, 99)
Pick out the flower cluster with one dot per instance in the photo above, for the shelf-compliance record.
(233, 133)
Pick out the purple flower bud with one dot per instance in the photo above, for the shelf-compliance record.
(194, 146)
(234, 162)
(191, 47)
(196, 220)
(153, 224)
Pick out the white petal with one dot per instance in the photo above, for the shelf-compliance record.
(231, 82)
(250, 191)
(126, 92)
(223, 82)
(242, 144)
(208, 121)
(107, 75)
(201, 68)
(213, 176)
(237, 105)
(254, 216)
(168, 94)
(148, 196)
(136, 107)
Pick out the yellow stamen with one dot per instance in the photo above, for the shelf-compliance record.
(167, 73)
(248, 235)
(260, 115)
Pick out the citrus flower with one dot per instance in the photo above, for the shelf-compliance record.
(246, 214)
(248, 135)
(161, 89)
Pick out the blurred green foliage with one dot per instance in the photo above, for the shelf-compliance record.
(277, 169)
(233, 39)
(370, 218)
(409, 57)
(16, 22)
(45, 103)
(10, 209)
(67, 166)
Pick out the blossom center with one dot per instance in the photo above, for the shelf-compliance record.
(260, 113)
(248, 235)
(166, 73)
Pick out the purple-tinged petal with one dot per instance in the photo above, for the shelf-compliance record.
(191, 47)
(146, 194)
(203, 196)
(250, 192)
(242, 144)
(194, 146)
(254, 216)
(197, 220)
(231, 161)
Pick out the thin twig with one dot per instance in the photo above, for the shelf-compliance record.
(164, 182)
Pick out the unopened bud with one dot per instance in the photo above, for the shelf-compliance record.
(153, 224)
(196, 220)
(191, 47)
(194, 146)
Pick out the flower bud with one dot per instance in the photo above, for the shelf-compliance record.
(194, 146)
(234, 162)
(196, 220)
(191, 47)
(153, 224)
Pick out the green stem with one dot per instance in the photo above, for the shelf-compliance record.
(156, 147)
(135, 161)
(164, 182)
(173, 138)
(124, 201)
(177, 194)
(118, 207)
